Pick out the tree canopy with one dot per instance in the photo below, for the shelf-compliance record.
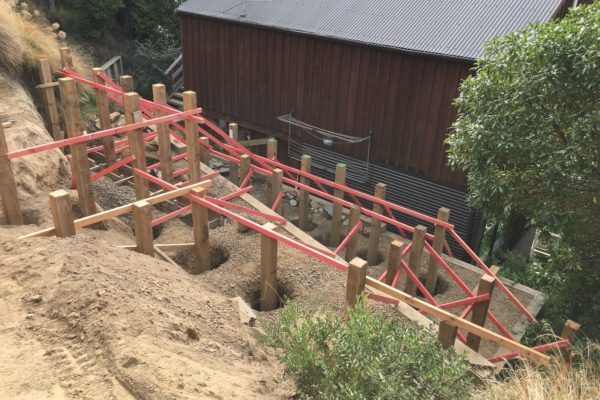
(528, 132)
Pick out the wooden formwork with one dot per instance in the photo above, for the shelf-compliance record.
(204, 140)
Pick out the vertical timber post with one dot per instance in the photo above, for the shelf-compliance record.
(486, 286)
(66, 58)
(376, 225)
(126, 82)
(142, 220)
(438, 245)
(446, 335)
(357, 278)
(159, 94)
(137, 145)
(272, 149)
(8, 186)
(62, 213)
(268, 270)
(201, 233)
(275, 186)
(204, 150)
(234, 169)
(569, 332)
(393, 263)
(352, 245)
(79, 160)
(50, 100)
(244, 167)
(303, 197)
(104, 116)
(191, 137)
(336, 208)
(416, 255)
(245, 162)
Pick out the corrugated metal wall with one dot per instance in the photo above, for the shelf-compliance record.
(408, 191)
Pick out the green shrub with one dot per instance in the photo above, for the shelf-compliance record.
(148, 61)
(365, 356)
(571, 291)
(90, 19)
(153, 19)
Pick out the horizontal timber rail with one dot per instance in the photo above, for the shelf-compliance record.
(115, 212)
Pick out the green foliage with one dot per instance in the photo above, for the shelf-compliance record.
(365, 356)
(148, 61)
(529, 122)
(90, 19)
(528, 136)
(154, 19)
(569, 288)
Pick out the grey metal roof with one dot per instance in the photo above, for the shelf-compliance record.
(454, 28)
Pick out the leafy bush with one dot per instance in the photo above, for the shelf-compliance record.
(365, 356)
(153, 19)
(90, 19)
(148, 61)
(569, 288)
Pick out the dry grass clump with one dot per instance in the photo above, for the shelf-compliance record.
(553, 382)
(23, 41)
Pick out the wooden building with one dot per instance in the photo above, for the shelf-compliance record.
(385, 69)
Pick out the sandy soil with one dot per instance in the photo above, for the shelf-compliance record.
(38, 174)
(84, 319)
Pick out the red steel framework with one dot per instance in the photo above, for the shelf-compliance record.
(316, 186)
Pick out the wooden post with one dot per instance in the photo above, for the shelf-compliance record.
(336, 209)
(447, 335)
(201, 233)
(569, 332)
(204, 151)
(268, 270)
(126, 82)
(62, 213)
(244, 167)
(373, 249)
(50, 100)
(137, 145)
(274, 187)
(102, 106)
(438, 246)
(79, 160)
(142, 220)
(234, 169)
(272, 149)
(303, 196)
(357, 275)
(352, 245)
(66, 58)
(416, 254)
(394, 258)
(8, 186)
(486, 286)
(191, 138)
(159, 93)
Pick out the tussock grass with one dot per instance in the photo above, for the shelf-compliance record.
(553, 382)
(24, 41)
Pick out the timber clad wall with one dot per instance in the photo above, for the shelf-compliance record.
(251, 75)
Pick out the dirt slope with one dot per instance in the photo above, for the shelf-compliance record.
(38, 174)
(102, 322)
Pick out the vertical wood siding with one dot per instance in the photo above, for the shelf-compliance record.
(252, 75)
